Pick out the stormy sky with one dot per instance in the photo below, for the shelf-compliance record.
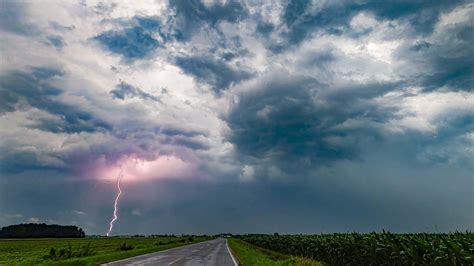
(251, 116)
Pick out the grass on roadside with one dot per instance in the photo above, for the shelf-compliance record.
(248, 254)
(73, 251)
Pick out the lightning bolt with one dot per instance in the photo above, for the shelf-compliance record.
(117, 198)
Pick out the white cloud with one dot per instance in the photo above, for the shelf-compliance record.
(363, 21)
(460, 14)
(78, 212)
(34, 220)
(426, 111)
(248, 173)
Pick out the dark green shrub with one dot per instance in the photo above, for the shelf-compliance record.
(52, 253)
(125, 246)
(69, 252)
(84, 251)
(61, 253)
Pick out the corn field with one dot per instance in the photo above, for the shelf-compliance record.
(374, 248)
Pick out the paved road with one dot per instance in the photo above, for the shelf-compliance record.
(213, 253)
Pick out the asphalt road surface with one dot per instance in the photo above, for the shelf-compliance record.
(213, 253)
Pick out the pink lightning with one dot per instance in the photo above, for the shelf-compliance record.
(115, 217)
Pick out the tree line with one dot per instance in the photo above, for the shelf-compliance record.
(41, 230)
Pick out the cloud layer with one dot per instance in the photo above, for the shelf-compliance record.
(311, 115)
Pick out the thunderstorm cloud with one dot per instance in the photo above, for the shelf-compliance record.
(241, 116)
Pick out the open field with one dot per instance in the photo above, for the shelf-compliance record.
(84, 251)
(248, 254)
(331, 249)
(373, 248)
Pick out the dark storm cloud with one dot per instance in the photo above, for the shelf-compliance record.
(186, 142)
(124, 90)
(131, 43)
(303, 18)
(17, 86)
(450, 144)
(147, 139)
(456, 73)
(350, 94)
(20, 90)
(191, 15)
(349, 199)
(298, 124)
(265, 206)
(141, 35)
(20, 161)
(136, 40)
(282, 122)
(422, 15)
(218, 74)
(447, 60)
(180, 132)
(327, 152)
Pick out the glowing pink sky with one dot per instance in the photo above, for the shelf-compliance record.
(136, 169)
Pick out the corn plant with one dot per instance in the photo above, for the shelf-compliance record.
(375, 248)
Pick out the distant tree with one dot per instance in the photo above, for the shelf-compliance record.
(41, 231)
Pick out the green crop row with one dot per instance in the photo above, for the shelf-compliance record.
(374, 248)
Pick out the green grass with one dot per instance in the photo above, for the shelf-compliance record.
(248, 254)
(101, 250)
